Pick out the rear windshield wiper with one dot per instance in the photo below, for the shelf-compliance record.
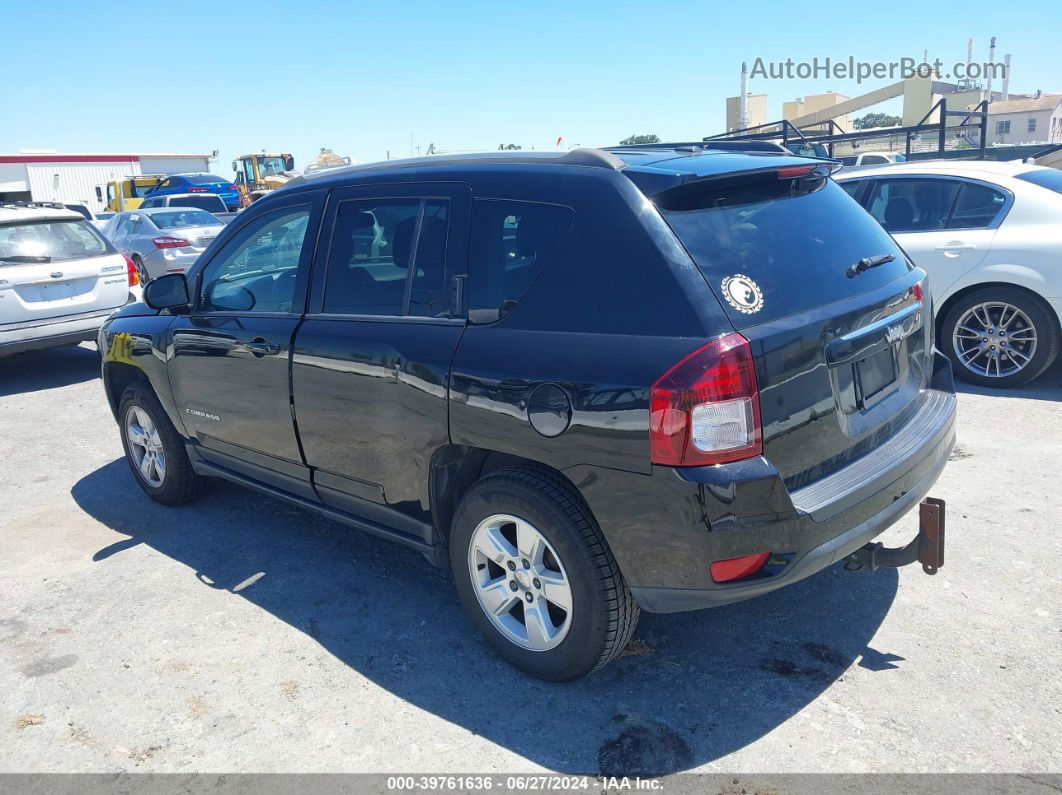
(867, 263)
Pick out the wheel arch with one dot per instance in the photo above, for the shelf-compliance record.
(455, 468)
(117, 377)
(942, 311)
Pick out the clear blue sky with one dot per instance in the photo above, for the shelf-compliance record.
(359, 77)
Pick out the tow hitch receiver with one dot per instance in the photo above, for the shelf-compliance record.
(927, 547)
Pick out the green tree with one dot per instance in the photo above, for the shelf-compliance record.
(640, 139)
(876, 120)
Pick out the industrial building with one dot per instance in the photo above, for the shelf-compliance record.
(37, 175)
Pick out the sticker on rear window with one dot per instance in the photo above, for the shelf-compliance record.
(742, 293)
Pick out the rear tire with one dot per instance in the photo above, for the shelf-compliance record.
(154, 450)
(573, 566)
(1025, 345)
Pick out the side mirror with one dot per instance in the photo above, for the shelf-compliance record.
(289, 163)
(99, 193)
(234, 166)
(167, 292)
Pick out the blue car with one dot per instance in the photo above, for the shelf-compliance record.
(199, 183)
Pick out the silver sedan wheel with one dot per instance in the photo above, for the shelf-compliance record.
(994, 339)
(520, 582)
(145, 446)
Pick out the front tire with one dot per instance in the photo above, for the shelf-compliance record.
(537, 577)
(154, 450)
(1000, 337)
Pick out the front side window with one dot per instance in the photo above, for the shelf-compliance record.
(388, 257)
(257, 268)
(912, 205)
(510, 243)
(51, 241)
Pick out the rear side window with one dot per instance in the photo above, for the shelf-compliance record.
(388, 257)
(510, 243)
(794, 244)
(51, 241)
(977, 207)
(912, 205)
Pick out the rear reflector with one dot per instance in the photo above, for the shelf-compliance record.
(706, 409)
(736, 568)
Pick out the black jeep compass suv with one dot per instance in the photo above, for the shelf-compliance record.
(664, 377)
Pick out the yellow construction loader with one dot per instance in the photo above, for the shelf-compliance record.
(258, 174)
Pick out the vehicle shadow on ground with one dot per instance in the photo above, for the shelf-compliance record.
(48, 369)
(695, 687)
(1047, 387)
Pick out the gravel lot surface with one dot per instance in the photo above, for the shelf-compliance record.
(238, 634)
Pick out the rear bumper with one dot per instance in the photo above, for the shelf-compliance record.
(157, 263)
(667, 528)
(50, 332)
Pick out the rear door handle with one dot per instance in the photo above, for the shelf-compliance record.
(260, 347)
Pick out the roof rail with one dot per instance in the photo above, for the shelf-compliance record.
(32, 205)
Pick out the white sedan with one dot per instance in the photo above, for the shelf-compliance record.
(989, 235)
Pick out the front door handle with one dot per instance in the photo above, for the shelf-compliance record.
(260, 347)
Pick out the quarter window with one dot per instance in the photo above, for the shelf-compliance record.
(510, 243)
(256, 270)
(388, 257)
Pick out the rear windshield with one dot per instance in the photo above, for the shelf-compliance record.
(793, 240)
(51, 241)
(180, 219)
(1049, 178)
(205, 179)
(207, 201)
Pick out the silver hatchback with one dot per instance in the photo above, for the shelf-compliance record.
(163, 240)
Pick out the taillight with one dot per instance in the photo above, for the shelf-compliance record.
(706, 409)
(917, 292)
(170, 242)
(131, 272)
(233, 187)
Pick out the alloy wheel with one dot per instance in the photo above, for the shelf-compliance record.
(994, 339)
(520, 582)
(145, 446)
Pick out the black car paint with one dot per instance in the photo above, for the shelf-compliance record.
(372, 421)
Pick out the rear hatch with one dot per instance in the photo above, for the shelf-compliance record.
(53, 267)
(842, 353)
